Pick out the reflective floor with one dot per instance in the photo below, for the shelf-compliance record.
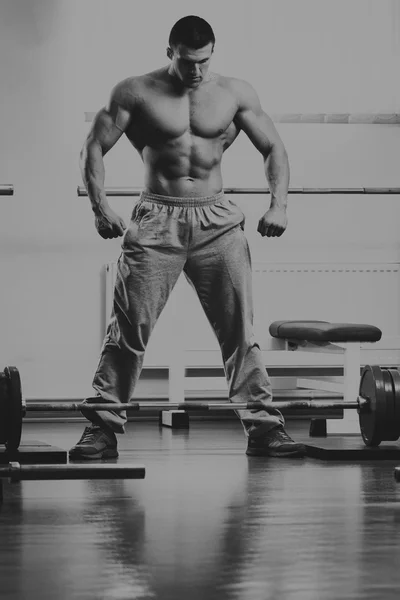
(206, 523)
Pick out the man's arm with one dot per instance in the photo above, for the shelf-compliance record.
(261, 131)
(108, 126)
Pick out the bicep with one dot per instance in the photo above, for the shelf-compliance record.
(257, 125)
(109, 123)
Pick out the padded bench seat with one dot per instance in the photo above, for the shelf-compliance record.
(323, 331)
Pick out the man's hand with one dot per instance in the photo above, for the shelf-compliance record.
(273, 223)
(110, 225)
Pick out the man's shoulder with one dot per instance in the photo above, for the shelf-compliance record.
(125, 93)
(236, 85)
(138, 84)
(239, 88)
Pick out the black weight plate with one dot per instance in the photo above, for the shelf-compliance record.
(3, 416)
(14, 410)
(396, 386)
(390, 426)
(372, 421)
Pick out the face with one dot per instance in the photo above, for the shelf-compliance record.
(190, 65)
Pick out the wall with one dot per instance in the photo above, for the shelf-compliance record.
(60, 58)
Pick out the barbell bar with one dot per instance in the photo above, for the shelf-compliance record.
(192, 406)
(378, 406)
(136, 191)
(17, 472)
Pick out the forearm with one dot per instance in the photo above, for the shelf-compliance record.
(93, 175)
(277, 171)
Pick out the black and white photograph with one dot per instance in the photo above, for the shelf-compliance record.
(200, 300)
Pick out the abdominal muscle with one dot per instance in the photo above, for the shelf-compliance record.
(184, 168)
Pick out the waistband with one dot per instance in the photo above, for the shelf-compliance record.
(181, 201)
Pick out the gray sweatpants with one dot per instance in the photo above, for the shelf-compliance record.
(204, 238)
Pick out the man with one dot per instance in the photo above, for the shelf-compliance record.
(181, 118)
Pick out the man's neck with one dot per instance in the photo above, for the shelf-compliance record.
(179, 85)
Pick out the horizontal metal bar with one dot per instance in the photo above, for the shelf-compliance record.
(195, 406)
(278, 394)
(17, 472)
(320, 118)
(6, 189)
(136, 191)
(281, 394)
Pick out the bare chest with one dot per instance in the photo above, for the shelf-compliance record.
(206, 114)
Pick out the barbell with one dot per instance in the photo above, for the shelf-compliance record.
(378, 405)
(15, 472)
(246, 191)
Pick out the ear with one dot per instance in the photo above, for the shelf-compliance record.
(169, 53)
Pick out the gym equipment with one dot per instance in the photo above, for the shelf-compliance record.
(33, 452)
(14, 471)
(322, 332)
(6, 190)
(377, 404)
(17, 472)
(378, 423)
(14, 409)
(136, 191)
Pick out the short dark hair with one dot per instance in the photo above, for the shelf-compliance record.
(193, 32)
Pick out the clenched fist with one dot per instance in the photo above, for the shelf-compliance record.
(110, 225)
(273, 223)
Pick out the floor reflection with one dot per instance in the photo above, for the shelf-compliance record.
(207, 523)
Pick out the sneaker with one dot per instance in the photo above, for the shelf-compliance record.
(275, 442)
(95, 443)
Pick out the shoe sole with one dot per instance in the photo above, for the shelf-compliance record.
(292, 453)
(108, 453)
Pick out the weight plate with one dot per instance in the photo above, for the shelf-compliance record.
(372, 421)
(389, 433)
(3, 416)
(14, 410)
(396, 387)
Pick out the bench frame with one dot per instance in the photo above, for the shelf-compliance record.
(347, 355)
(349, 387)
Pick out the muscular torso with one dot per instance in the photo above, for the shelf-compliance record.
(181, 135)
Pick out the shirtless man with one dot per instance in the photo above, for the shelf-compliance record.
(181, 118)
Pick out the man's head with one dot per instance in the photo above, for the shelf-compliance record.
(191, 44)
